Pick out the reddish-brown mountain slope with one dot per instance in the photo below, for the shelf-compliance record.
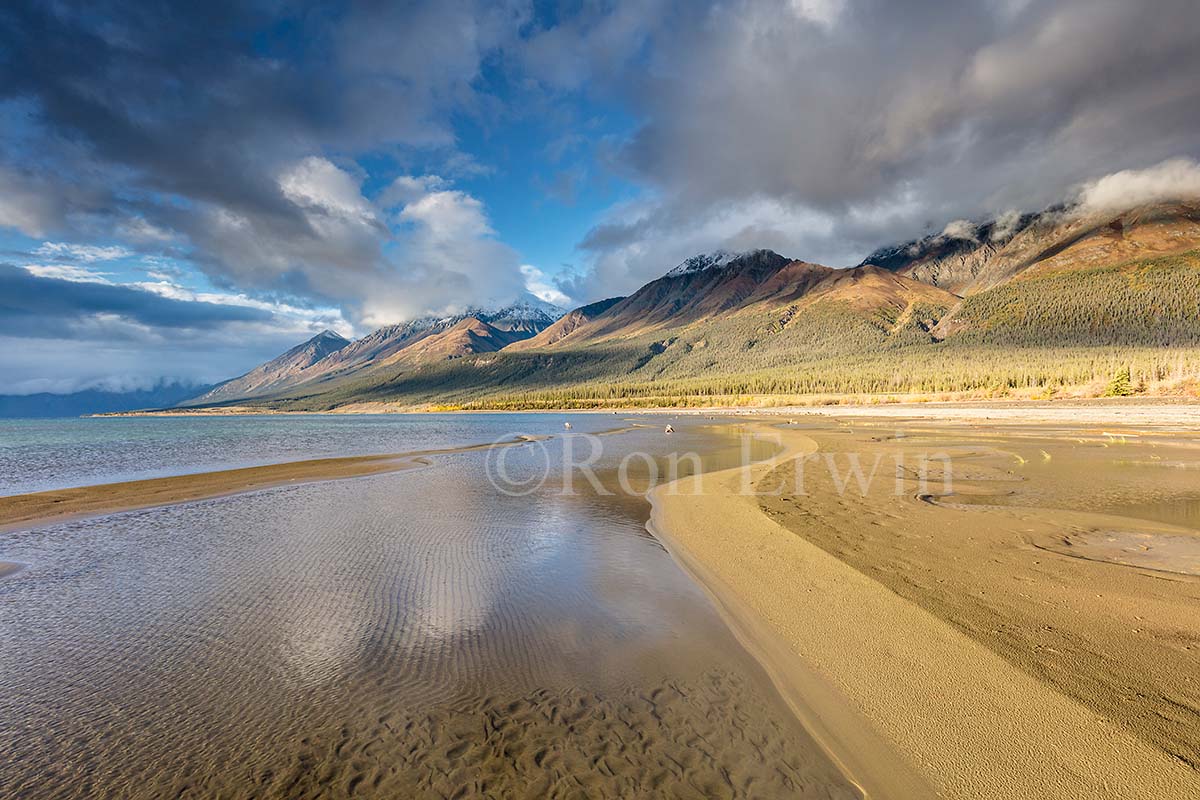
(566, 325)
(277, 372)
(699, 288)
(466, 337)
(974, 258)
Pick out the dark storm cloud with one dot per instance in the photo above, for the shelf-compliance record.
(187, 116)
(38, 307)
(65, 335)
(829, 127)
(181, 94)
(232, 132)
(164, 91)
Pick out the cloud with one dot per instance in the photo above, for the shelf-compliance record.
(139, 230)
(1006, 225)
(961, 229)
(445, 215)
(40, 306)
(821, 12)
(81, 252)
(310, 318)
(67, 272)
(595, 44)
(409, 188)
(1175, 179)
(72, 364)
(444, 257)
(538, 284)
(419, 247)
(26, 204)
(931, 111)
(107, 383)
(70, 331)
(227, 131)
(323, 190)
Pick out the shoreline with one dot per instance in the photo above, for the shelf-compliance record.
(32, 510)
(35, 509)
(899, 698)
(1182, 410)
(864, 757)
(882, 680)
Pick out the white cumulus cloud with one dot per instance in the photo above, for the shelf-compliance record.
(443, 256)
(1174, 179)
(318, 185)
(538, 284)
(960, 229)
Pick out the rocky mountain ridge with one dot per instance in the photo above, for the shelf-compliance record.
(328, 357)
(968, 258)
(1049, 278)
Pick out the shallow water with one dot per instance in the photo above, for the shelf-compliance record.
(1151, 477)
(41, 454)
(417, 634)
(1165, 552)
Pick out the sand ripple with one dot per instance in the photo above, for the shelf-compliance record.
(409, 635)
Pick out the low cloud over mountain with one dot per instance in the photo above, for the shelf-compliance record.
(383, 162)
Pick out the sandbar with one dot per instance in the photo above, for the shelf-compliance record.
(38, 508)
(935, 648)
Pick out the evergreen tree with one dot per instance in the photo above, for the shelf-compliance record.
(1121, 385)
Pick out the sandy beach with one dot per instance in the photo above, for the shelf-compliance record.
(1006, 609)
(1117, 411)
(958, 639)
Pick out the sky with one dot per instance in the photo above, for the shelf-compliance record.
(190, 188)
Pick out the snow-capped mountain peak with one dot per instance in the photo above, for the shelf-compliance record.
(525, 312)
(526, 307)
(718, 259)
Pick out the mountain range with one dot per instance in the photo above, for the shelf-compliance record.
(328, 357)
(94, 401)
(1058, 298)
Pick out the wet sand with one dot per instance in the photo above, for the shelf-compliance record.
(39, 508)
(1032, 632)
(959, 635)
(398, 635)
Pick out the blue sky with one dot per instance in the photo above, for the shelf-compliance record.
(273, 168)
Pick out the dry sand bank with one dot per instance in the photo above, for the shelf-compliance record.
(24, 510)
(1164, 411)
(944, 638)
(1116, 412)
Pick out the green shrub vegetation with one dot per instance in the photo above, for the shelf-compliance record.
(1121, 385)
(1153, 302)
(1138, 321)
